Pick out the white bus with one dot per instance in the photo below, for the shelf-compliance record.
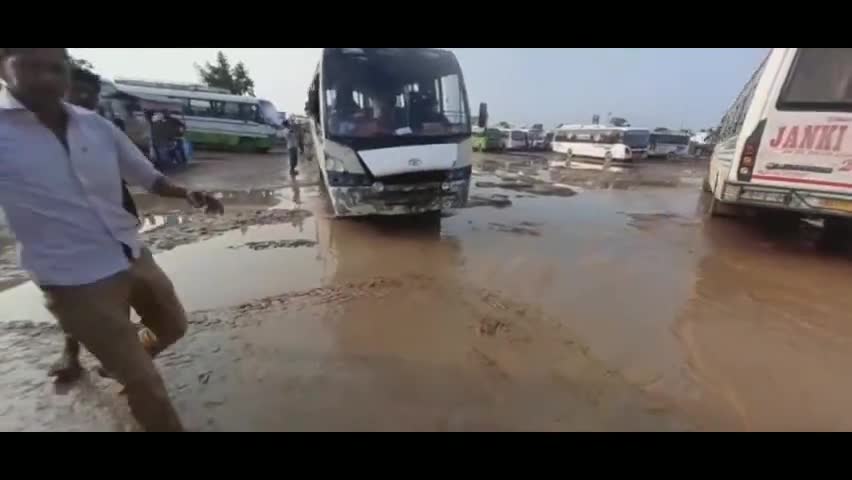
(513, 138)
(785, 142)
(391, 130)
(600, 141)
(214, 119)
(668, 143)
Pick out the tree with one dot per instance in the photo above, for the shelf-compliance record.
(243, 84)
(236, 80)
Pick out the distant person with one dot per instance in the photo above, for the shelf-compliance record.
(174, 130)
(60, 185)
(293, 147)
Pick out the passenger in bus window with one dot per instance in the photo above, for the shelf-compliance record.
(345, 112)
(425, 116)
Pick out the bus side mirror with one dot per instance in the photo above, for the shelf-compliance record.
(482, 121)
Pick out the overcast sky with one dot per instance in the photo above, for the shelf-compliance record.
(650, 87)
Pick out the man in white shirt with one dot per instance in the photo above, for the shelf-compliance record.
(60, 185)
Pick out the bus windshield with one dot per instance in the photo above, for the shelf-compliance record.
(669, 139)
(268, 113)
(821, 80)
(391, 92)
(636, 138)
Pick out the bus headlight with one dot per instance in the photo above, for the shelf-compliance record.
(339, 158)
(378, 187)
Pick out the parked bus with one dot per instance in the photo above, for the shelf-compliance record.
(600, 141)
(668, 144)
(391, 130)
(785, 143)
(486, 139)
(214, 119)
(514, 138)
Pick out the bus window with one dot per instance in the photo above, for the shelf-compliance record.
(452, 104)
(232, 110)
(413, 94)
(820, 80)
(200, 108)
(636, 138)
(248, 112)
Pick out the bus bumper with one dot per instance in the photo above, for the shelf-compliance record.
(806, 202)
(405, 199)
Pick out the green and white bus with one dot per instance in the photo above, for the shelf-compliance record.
(215, 119)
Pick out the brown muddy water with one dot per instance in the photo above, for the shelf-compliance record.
(615, 307)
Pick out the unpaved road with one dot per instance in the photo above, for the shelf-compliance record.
(561, 299)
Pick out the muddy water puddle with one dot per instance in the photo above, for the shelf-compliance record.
(615, 308)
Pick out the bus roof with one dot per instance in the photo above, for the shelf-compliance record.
(172, 93)
(192, 87)
(363, 51)
(599, 127)
(671, 132)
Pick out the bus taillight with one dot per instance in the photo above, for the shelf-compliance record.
(749, 155)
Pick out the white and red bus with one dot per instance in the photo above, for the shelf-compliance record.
(785, 142)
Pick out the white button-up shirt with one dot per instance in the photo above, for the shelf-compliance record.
(65, 207)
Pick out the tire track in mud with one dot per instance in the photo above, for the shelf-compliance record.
(507, 341)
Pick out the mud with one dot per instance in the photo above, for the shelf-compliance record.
(277, 244)
(495, 200)
(181, 229)
(525, 228)
(537, 188)
(618, 307)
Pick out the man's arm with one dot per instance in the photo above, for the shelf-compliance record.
(138, 170)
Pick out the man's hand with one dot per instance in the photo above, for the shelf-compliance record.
(203, 199)
(165, 188)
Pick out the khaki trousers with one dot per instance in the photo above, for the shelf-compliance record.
(98, 316)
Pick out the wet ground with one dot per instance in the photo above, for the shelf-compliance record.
(562, 298)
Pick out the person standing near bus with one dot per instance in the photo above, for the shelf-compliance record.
(60, 185)
(293, 146)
